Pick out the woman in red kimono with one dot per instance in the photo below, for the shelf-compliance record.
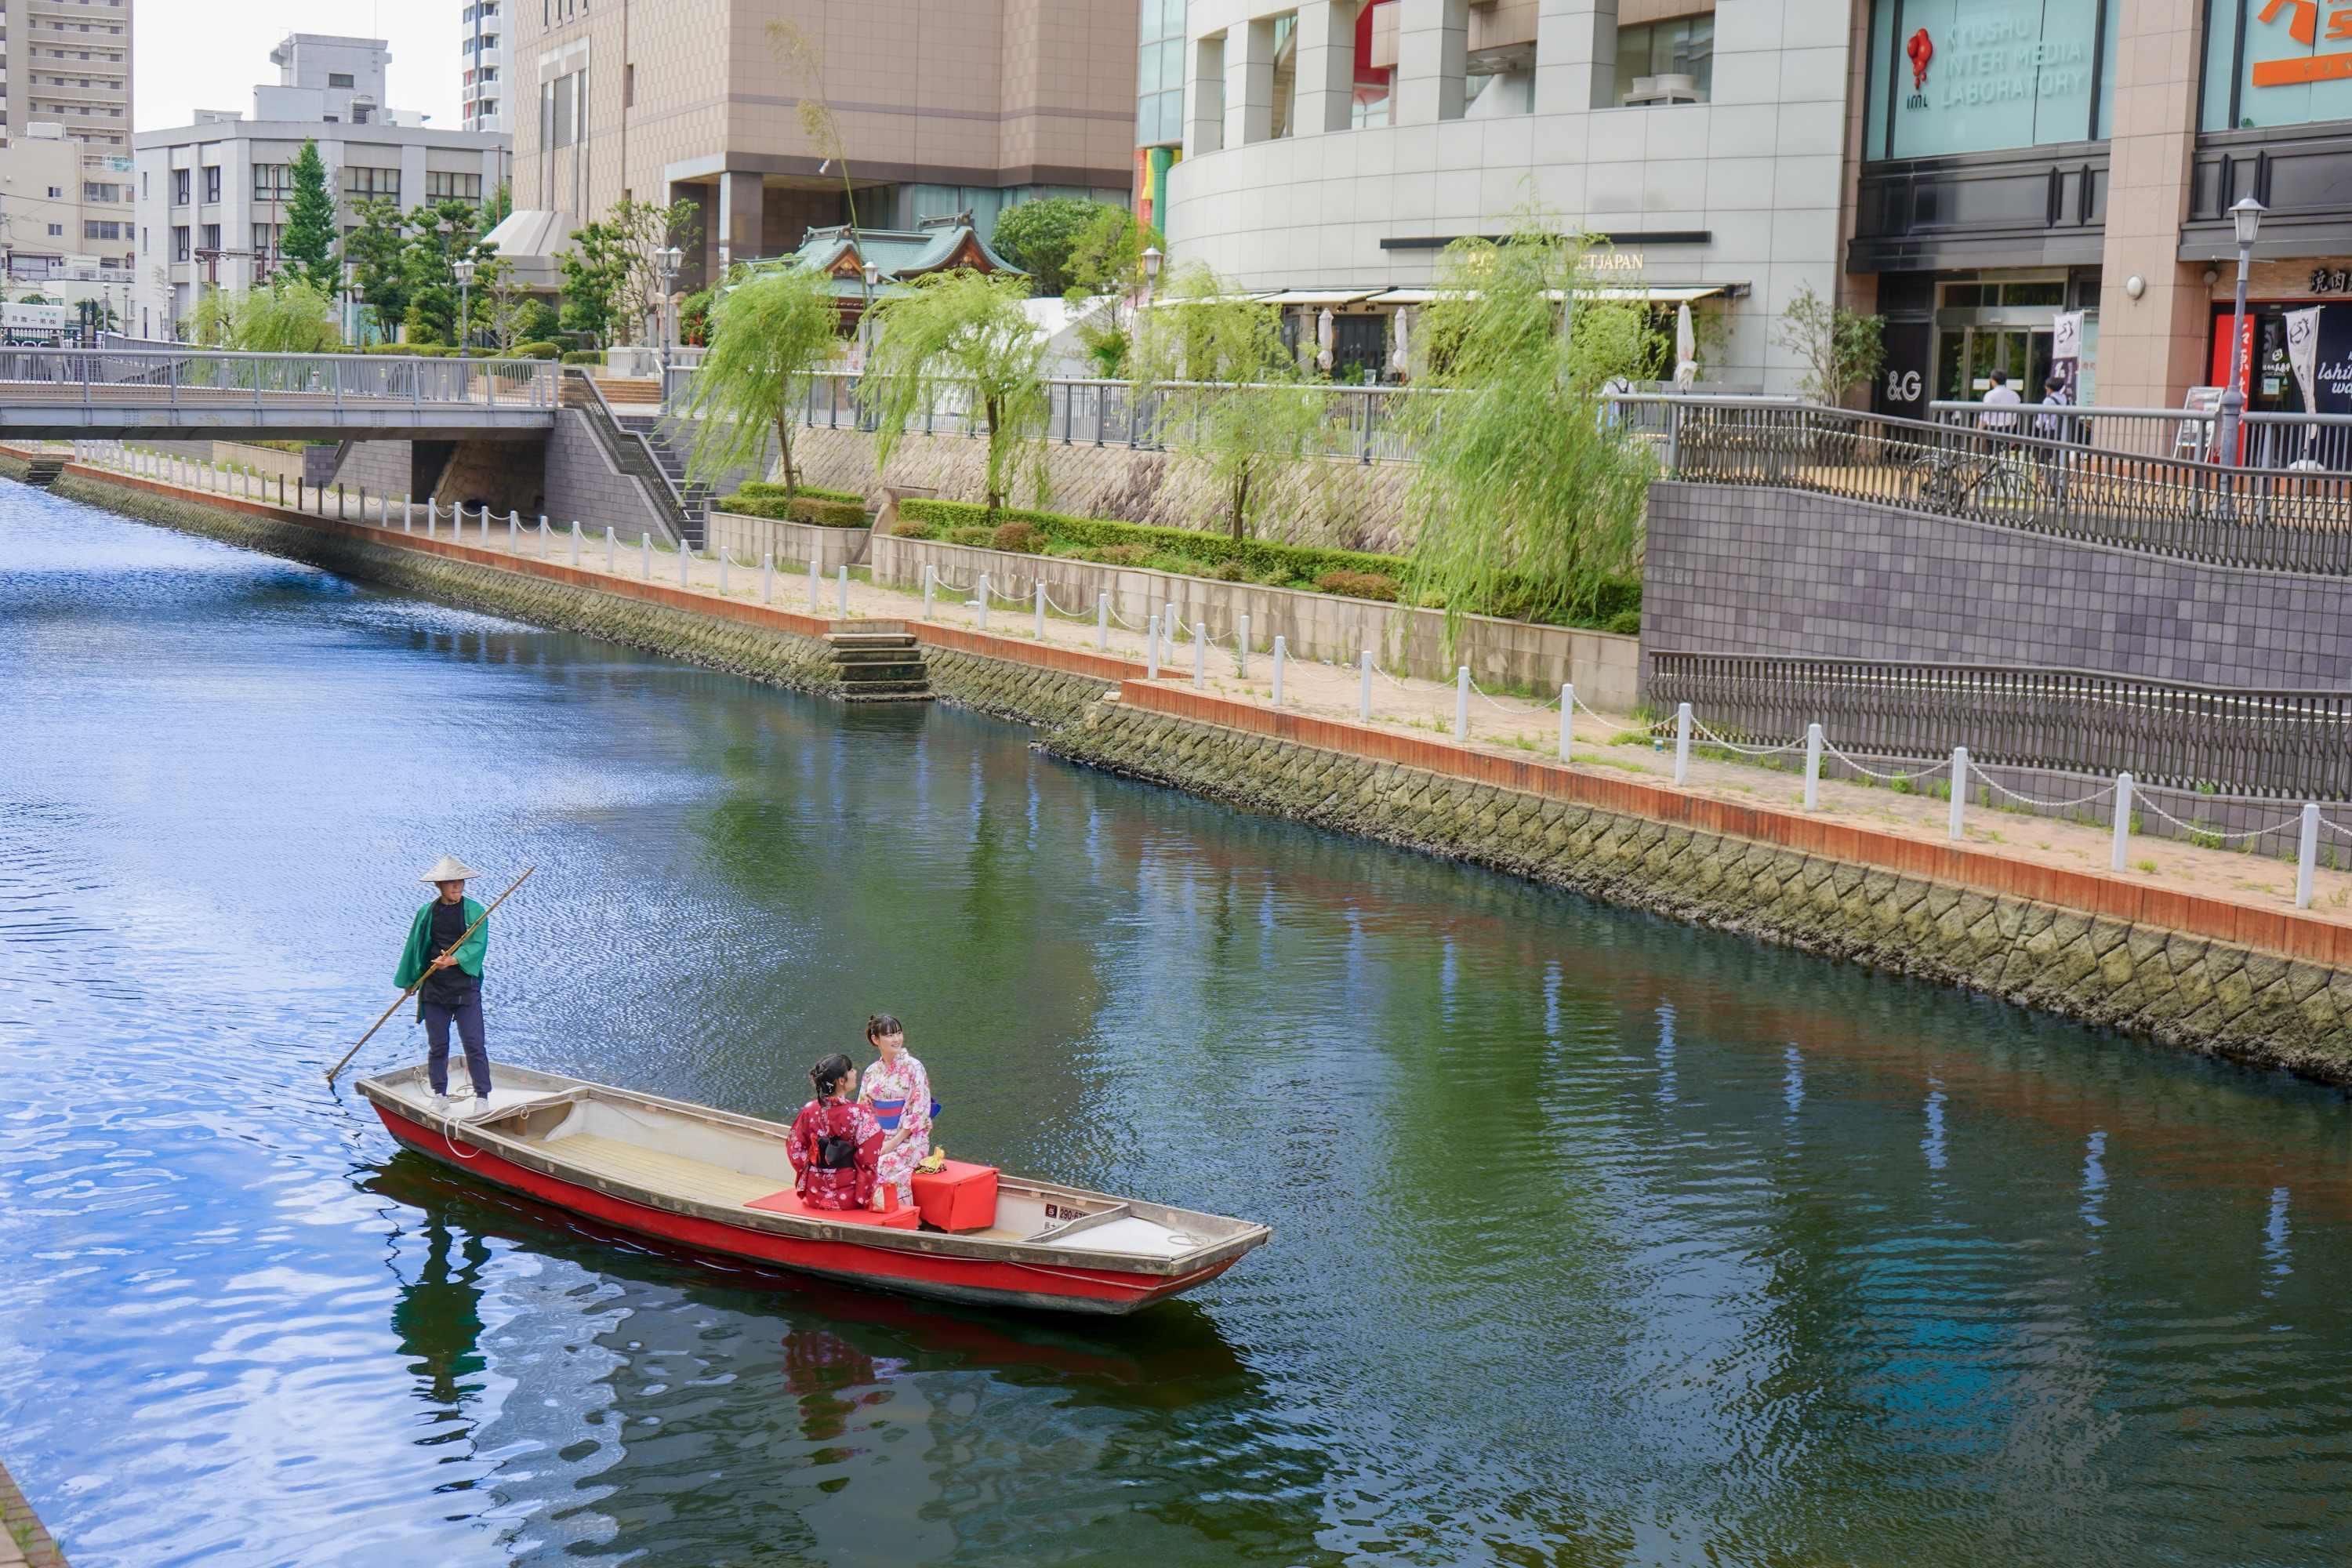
(836, 1144)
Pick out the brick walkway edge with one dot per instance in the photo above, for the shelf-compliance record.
(24, 1539)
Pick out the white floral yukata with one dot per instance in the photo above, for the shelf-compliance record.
(900, 1098)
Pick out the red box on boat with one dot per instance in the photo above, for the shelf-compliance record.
(958, 1197)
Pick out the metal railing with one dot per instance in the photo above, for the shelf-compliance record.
(215, 378)
(2271, 440)
(2286, 519)
(632, 455)
(2280, 745)
(1365, 423)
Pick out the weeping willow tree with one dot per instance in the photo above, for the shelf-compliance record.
(289, 315)
(1232, 397)
(1530, 493)
(970, 334)
(769, 334)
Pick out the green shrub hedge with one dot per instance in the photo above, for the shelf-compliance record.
(1354, 573)
(820, 511)
(537, 351)
(765, 489)
(584, 356)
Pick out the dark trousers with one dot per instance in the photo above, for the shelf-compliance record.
(468, 1016)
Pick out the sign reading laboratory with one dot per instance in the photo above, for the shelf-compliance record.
(1986, 74)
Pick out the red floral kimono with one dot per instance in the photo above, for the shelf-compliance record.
(824, 1186)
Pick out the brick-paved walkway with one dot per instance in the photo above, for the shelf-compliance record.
(23, 1539)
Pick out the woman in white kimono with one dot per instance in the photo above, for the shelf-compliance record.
(898, 1092)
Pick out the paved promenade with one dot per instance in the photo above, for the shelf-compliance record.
(1501, 727)
(23, 1541)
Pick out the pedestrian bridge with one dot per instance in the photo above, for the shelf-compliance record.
(206, 394)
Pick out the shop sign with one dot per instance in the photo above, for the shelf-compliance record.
(2004, 75)
(2301, 20)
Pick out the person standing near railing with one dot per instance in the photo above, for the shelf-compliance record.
(1998, 400)
(2057, 395)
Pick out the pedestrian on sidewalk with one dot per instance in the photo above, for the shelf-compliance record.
(452, 971)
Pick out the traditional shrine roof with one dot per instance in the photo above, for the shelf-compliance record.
(899, 254)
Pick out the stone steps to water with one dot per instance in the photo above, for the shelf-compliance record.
(879, 667)
(42, 471)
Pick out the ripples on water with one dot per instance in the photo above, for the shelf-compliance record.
(1597, 1239)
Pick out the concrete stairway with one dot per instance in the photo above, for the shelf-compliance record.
(693, 495)
(879, 667)
(43, 471)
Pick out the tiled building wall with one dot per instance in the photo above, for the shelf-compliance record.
(1777, 573)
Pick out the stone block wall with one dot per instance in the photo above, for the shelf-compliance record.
(1500, 654)
(582, 484)
(791, 543)
(1760, 570)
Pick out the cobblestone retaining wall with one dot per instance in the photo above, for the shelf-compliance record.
(2199, 994)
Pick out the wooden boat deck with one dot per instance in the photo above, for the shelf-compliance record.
(697, 1180)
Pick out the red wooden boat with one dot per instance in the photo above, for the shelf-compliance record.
(717, 1182)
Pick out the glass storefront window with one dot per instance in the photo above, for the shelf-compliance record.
(2276, 62)
(1159, 75)
(1684, 46)
(1975, 76)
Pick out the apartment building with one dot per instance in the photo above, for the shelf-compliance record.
(212, 196)
(1995, 177)
(66, 62)
(970, 106)
(482, 46)
(67, 219)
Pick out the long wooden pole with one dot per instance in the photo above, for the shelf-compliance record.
(420, 980)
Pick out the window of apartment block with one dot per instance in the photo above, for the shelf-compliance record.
(93, 191)
(443, 187)
(1955, 76)
(100, 229)
(57, 231)
(265, 236)
(208, 236)
(1678, 48)
(340, 78)
(1284, 120)
(211, 182)
(1159, 75)
(271, 182)
(179, 187)
(360, 184)
(180, 243)
(2276, 64)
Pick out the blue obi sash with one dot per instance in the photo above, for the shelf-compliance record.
(888, 1112)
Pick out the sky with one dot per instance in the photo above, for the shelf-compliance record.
(188, 55)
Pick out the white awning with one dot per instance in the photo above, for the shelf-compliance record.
(1659, 293)
(1319, 295)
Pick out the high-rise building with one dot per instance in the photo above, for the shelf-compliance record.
(942, 109)
(66, 62)
(482, 44)
(212, 196)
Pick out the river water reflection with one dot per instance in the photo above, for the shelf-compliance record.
(1597, 1239)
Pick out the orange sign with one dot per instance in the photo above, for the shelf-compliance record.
(2302, 27)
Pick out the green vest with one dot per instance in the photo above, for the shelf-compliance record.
(420, 935)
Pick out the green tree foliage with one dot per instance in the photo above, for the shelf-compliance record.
(1108, 255)
(1235, 399)
(611, 282)
(1840, 349)
(1530, 495)
(309, 243)
(966, 334)
(768, 334)
(378, 253)
(289, 314)
(1039, 237)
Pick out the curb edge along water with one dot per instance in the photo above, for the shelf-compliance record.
(2265, 990)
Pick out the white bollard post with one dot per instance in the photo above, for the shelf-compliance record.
(1200, 655)
(2117, 861)
(1241, 645)
(844, 590)
(429, 510)
(1567, 719)
(684, 562)
(930, 588)
(575, 540)
(1682, 743)
(514, 529)
(409, 514)
(646, 555)
(1462, 705)
(1151, 651)
(542, 538)
(612, 545)
(1813, 767)
(2306, 855)
(1102, 623)
(1041, 609)
(767, 579)
(983, 596)
(817, 584)
(722, 571)
(1959, 792)
(1281, 656)
(1364, 692)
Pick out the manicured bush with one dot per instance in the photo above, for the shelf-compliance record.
(537, 351)
(1019, 538)
(911, 527)
(584, 356)
(802, 508)
(1359, 584)
(767, 489)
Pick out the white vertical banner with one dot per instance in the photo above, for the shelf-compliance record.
(2303, 353)
(2067, 347)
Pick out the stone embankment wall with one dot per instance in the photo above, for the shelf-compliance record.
(1752, 569)
(2245, 997)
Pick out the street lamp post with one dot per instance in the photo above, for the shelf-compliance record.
(465, 271)
(2248, 217)
(666, 264)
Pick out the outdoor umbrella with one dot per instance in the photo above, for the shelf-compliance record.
(1401, 356)
(1685, 350)
(1323, 341)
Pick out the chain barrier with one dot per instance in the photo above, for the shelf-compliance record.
(1700, 730)
(1499, 707)
(1829, 751)
(2148, 804)
(1609, 723)
(1977, 777)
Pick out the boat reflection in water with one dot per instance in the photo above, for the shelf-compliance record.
(596, 1394)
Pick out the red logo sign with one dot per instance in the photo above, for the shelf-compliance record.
(1921, 48)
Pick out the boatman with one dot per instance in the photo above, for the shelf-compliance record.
(452, 969)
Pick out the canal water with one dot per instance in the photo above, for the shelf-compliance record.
(1596, 1239)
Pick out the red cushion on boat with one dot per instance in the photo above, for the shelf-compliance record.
(790, 1201)
(958, 1197)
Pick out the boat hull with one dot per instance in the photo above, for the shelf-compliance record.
(975, 1282)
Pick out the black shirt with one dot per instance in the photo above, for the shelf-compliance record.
(450, 987)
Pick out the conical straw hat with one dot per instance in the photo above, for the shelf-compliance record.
(450, 868)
